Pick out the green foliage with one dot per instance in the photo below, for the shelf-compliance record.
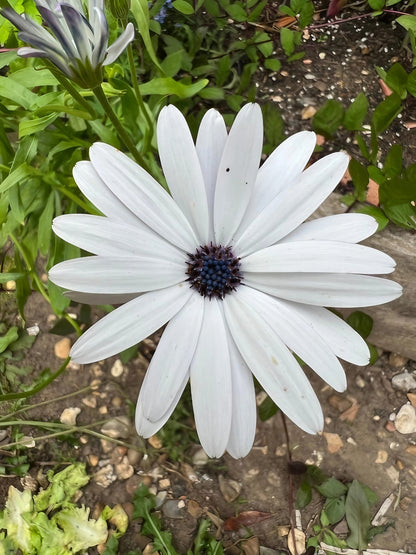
(351, 501)
(14, 342)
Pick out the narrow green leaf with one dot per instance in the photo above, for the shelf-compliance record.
(30, 126)
(403, 215)
(357, 512)
(393, 161)
(396, 79)
(377, 213)
(212, 93)
(287, 40)
(223, 70)
(15, 92)
(10, 276)
(267, 409)
(172, 63)
(411, 83)
(45, 225)
(16, 176)
(359, 176)
(10, 336)
(166, 85)
(303, 495)
(30, 77)
(236, 11)
(328, 118)
(385, 113)
(408, 22)
(140, 11)
(356, 112)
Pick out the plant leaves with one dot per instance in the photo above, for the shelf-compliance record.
(357, 513)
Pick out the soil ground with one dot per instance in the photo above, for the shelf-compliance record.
(360, 441)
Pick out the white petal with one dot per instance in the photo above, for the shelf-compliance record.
(243, 422)
(100, 195)
(237, 172)
(210, 142)
(211, 382)
(182, 170)
(114, 51)
(147, 428)
(94, 298)
(319, 256)
(282, 167)
(170, 364)
(293, 205)
(298, 335)
(350, 228)
(143, 195)
(272, 364)
(106, 237)
(111, 274)
(341, 338)
(337, 290)
(129, 324)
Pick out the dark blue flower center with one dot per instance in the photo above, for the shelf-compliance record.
(214, 271)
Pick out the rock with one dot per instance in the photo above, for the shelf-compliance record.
(117, 427)
(382, 457)
(393, 474)
(189, 472)
(195, 509)
(267, 551)
(155, 442)
(90, 401)
(3, 434)
(404, 381)
(10, 285)
(134, 456)
(117, 369)
(360, 382)
(93, 460)
(69, 416)
(164, 483)
(334, 442)
(412, 399)
(308, 112)
(160, 499)
(411, 450)
(33, 330)
(230, 489)
(200, 458)
(62, 348)
(405, 422)
(340, 403)
(174, 508)
(124, 470)
(397, 361)
(105, 476)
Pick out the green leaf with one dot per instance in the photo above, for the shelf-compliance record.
(403, 215)
(20, 174)
(408, 22)
(385, 113)
(328, 118)
(11, 336)
(356, 112)
(267, 409)
(272, 64)
(266, 45)
(373, 353)
(396, 79)
(287, 40)
(166, 85)
(140, 11)
(10, 276)
(361, 322)
(212, 93)
(331, 488)
(335, 509)
(62, 487)
(30, 77)
(183, 7)
(45, 225)
(172, 63)
(359, 176)
(357, 512)
(273, 124)
(376, 5)
(303, 495)
(223, 70)
(411, 83)
(377, 213)
(236, 12)
(393, 161)
(15, 92)
(30, 126)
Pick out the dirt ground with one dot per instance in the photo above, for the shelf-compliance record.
(360, 440)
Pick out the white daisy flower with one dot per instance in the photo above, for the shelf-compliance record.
(227, 261)
(78, 46)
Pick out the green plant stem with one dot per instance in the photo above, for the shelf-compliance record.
(68, 86)
(149, 132)
(36, 279)
(124, 137)
(25, 394)
(43, 403)
(76, 200)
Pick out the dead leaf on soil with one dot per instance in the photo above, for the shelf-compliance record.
(350, 414)
(230, 489)
(246, 518)
(251, 546)
(194, 509)
(297, 546)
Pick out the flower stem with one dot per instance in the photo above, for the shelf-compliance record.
(67, 85)
(148, 134)
(36, 279)
(25, 394)
(124, 137)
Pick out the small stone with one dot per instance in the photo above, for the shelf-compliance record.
(29, 482)
(412, 399)
(394, 445)
(96, 370)
(359, 381)
(351, 441)
(230, 489)
(322, 55)
(399, 464)
(188, 471)
(131, 484)
(93, 460)
(268, 551)
(117, 402)
(405, 503)
(310, 77)
(69, 416)
(341, 529)
(307, 61)
(124, 470)
(340, 403)
(160, 499)
(334, 442)
(194, 509)
(117, 369)
(83, 440)
(350, 414)
(103, 410)
(281, 451)
(382, 457)
(62, 348)
(33, 330)
(90, 401)
(117, 427)
(411, 450)
(171, 508)
(389, 426)
(308, 112)
(105, 476)
(200, 458)
(73, 365)
(397, 361)
(164, 483)
(10, 285)
(393, 474)
(155, 442)
(51, 319)
(403, 382)
(134, 456)
(284, 73)
(405, 422)
(106, 445)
